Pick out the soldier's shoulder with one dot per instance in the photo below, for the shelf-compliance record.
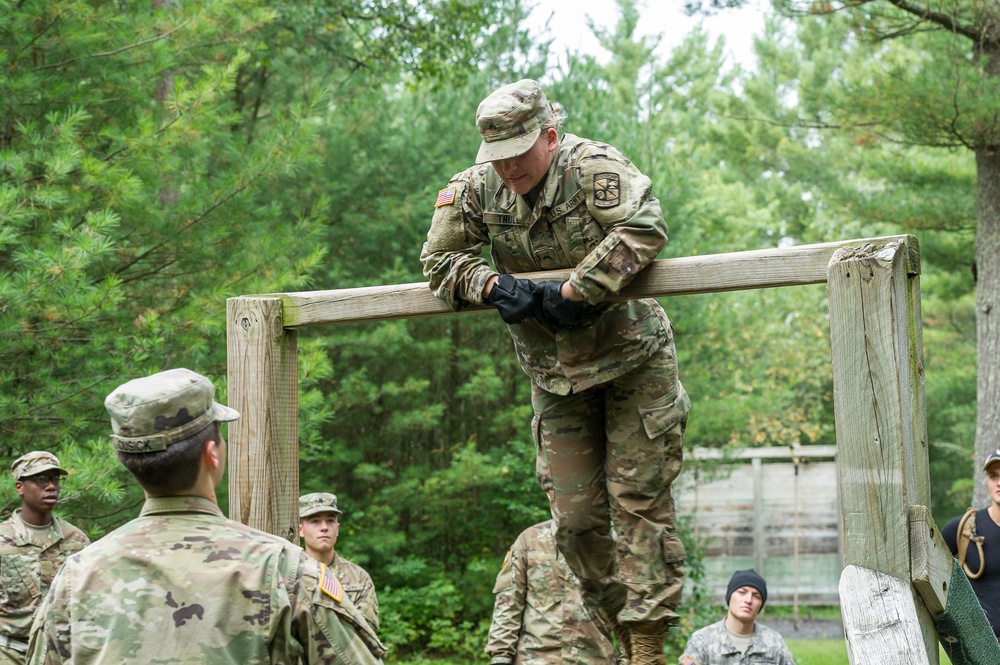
(71, 532)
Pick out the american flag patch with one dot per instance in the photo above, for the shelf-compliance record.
(445, 197)
(329, 583)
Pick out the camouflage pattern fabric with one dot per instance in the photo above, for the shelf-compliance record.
(181, 585)
(359, 588)
(28, 562)
(596, 215)
(34, 463)
(510, 120)
(612, 453)
(711, 646)
(539, 617)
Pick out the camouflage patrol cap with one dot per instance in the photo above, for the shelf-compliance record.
(510, 120)
(153, 412)
(318, 502)
(34, 463)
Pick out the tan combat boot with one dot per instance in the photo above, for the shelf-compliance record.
(647, 643)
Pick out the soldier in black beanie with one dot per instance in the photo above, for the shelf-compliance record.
(738, 638)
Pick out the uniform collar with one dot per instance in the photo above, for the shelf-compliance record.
(179, 504)
(22, 532)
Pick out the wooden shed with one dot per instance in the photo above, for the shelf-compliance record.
(776, 510)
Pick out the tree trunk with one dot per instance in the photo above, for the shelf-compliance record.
(987, 312)
(987, 276)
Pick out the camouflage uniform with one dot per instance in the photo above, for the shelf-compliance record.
(711, 646)
(356, 581)
(539, 617)
(29, 559)
(181, 584)
(28, 562)
(609, 408)
(359, 588)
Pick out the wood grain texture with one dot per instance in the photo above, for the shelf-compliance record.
(755, 269)
(263, 442)
(881, 625)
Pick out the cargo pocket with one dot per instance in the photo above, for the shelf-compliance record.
(542, 472)
(661, 415)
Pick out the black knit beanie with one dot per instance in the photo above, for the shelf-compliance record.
(747, 578)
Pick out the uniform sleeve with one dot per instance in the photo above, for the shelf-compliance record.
(619, 198)
(368, 602)
(51, 630)
(508, 609)
(327, 626)
(452, 255)
(694, 651)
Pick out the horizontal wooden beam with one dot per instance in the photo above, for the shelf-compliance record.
(754, 269)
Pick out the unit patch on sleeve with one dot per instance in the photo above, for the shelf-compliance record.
(607, 190)
(688, 660)
(330, 584)
(445, 197)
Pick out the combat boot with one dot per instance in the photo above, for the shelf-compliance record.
(647, 643)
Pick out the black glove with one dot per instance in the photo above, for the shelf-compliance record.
(551, 308)
(514, 298)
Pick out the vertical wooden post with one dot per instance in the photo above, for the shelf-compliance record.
(264, 442)
(878, 384)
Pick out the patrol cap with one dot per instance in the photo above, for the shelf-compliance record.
(994, 457)
(510, 120)
(34, 463)
(153, 412)
(750, 578)
(318, 502)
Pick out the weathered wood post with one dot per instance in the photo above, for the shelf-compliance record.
(264, 442)
(878, 384)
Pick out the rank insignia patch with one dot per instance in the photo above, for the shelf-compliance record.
(607, 190)
(445, 197)
(330, 584)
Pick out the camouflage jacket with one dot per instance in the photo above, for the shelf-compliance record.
(711, 646)
(26, 569)
(595, 214)
(359, 587)
(539, 617)
(181, 585)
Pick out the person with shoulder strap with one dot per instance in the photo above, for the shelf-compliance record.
(974, 538)
(34, 543)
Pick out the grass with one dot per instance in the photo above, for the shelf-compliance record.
(826, 652)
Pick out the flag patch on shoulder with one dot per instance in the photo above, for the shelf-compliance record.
(445, 197)
(329, 583)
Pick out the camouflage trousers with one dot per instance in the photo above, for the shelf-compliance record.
(607, 457)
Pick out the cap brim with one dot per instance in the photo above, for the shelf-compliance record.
(490, 152)
(321, 509)
(50, 467)
(990, 462)
(223, 414)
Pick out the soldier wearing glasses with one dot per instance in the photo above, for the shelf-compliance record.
(34, 543)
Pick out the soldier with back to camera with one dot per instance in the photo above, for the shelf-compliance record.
(181, 584)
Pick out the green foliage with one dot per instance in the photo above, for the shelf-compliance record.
(154, 162)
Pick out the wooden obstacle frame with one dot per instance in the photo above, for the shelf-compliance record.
(897, 567)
